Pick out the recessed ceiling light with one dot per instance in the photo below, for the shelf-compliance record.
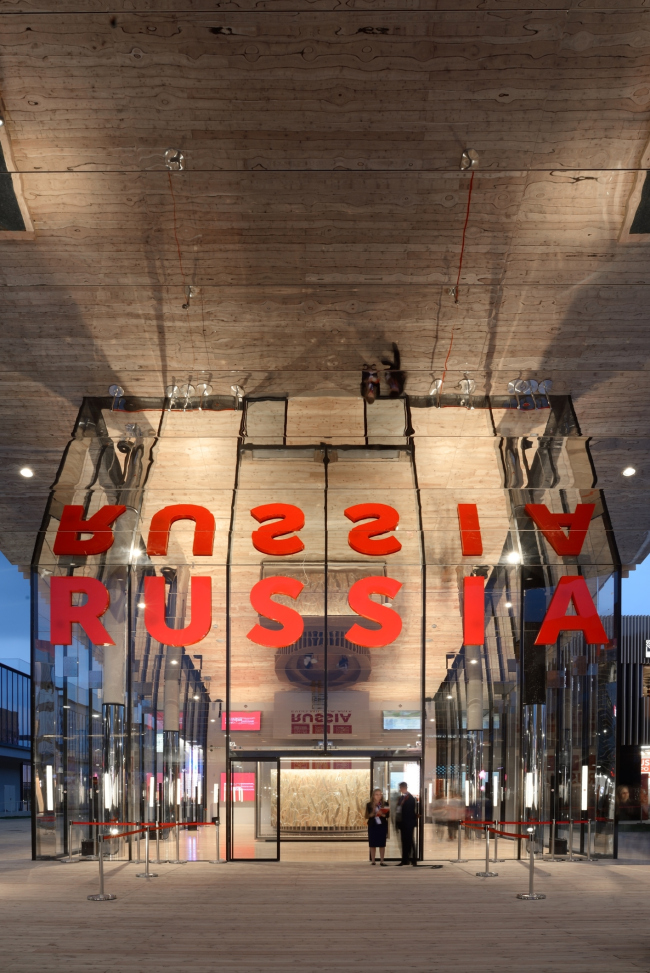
(628, 471)
(26, 472)
(141, 604)
(508, 604)
(450, 696)
(196, 697)
(173, 662)
(514, 557)
(2, 121)
(474, 662)
(213, 721)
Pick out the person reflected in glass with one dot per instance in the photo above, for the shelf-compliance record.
(626, 808)
(407, 816)
(377, 814)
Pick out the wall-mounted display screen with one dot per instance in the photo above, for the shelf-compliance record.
(243, 721)
(402, 719)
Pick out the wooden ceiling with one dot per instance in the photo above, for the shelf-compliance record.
(321, 209)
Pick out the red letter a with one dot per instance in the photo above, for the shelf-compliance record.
(551, 526)
(63, 613)
(99, 525)
(556, 620)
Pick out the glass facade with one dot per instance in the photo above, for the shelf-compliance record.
(323, 659)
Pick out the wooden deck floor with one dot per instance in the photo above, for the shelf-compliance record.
(238, 918)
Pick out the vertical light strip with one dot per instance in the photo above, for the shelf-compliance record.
(49, 788)
(528, 800)
(152, 791)
(585, 787)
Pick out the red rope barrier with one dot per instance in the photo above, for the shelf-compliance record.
(95, 824)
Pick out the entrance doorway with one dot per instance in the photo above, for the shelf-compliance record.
(311, 809)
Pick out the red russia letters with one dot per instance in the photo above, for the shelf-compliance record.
(281, 522)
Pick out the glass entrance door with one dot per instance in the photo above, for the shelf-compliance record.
(254, 810)
(387, 775)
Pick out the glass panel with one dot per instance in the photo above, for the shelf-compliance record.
(277, 692)
(254, 802)
(387, 775)
(374, 693)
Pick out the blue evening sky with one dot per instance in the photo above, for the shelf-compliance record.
(14, 616)
(636, 590)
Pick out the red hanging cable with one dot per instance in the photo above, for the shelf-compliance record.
(462, 246)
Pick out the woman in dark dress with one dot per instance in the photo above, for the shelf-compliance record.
(377, 812)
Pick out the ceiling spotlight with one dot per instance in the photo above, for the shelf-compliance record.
(135, 553)
(173, 662)
(474, 662)
(628, 471)
(141, 604)
(449, 696)
(2, 121)
(508, 604)
(213, 721)
(469, 159)
(117, 392)
(26, 472)
(196, 697)
(174, 159)
(514, 557)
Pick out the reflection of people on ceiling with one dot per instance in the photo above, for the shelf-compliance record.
(309, 661)
(343, 663)
(395, 377)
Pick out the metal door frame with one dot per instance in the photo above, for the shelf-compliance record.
(416, 758)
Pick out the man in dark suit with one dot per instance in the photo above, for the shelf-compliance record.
(407, 816)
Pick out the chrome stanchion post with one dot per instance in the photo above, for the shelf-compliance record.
(218, 860)
(552, 841)
(458, 860)
(496, 842)
(103, 896)
(146, 873)
(487, 873)
(158, 862)
(571, 840)
(69, 860)
(588, 839)
(178, 860)
(531, 894)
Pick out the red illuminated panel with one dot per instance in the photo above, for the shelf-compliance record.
(242, 785)
(242, 721)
